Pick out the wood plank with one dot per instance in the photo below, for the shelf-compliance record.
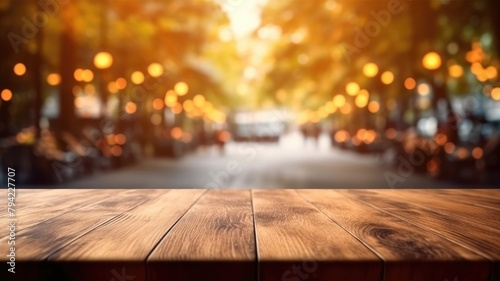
(27, 192)
(133, 234)
(67, 232)
(36, 243)
(477, 237)
(480, 197)
(126, 241)
(28, 198)
(298, 242)
(470, 212)
(409, 252)
(42, 209)
(214, 240)
(39, 241)
(23, 193)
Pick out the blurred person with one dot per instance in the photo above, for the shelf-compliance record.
(202, 136)
(303, 131)
(315, 133)
(221, 137)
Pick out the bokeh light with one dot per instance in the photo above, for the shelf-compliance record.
(116, 151)
(20, 69)
(330, 107)
(456, 71)
(188, 106)
(491, 72)
(449, 147)
(477, 153)
(370, 69)
(346, 108)
(176, 133)
(462, 153)
(86, 75)
(78, 74)
(423, 89)
(54, 79)
(410, 83)
(158, 104)
(199, 100)
(6, 95)
(137, 77)
(103, 60)
(76, 90)
(170, 98)
(89, 89)
(112, 88)
(387, 77)
(177, 109)
(441, 139)
(495, 94)
(121, 83)
(79, 102)
(130, 107)
(156, 119)
(155, 70)
(373, 106)
(391, 133)
(431, 61)
(181, 88)
(111, 139)
(352, 88)
(120, 139)
(341, 136)
(339, 101)
(476, 68)
(362, 99)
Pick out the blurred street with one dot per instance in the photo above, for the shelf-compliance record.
(255, 165)
(221, 94)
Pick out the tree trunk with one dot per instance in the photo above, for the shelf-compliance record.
(103, 92)
(494, 7)
(68, 63)
(38, 102)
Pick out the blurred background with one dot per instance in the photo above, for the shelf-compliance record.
(250, 93)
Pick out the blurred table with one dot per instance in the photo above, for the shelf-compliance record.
(195, 234)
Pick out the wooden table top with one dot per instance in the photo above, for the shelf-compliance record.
(195, 234)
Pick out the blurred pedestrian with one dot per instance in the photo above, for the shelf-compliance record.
(303, 131)
(316, 132)
(221, 137)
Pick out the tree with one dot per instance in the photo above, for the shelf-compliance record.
(394, 36)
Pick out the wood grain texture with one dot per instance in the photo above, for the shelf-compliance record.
(126, 240)
(35, 198)
(38, 242)
(467, 211)
(28, 194)
(43, 208)
(479, 197)
(409, 252)
(477, 237)
(248, 235)
(214, 240)
(132, 234)
(297, 241)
